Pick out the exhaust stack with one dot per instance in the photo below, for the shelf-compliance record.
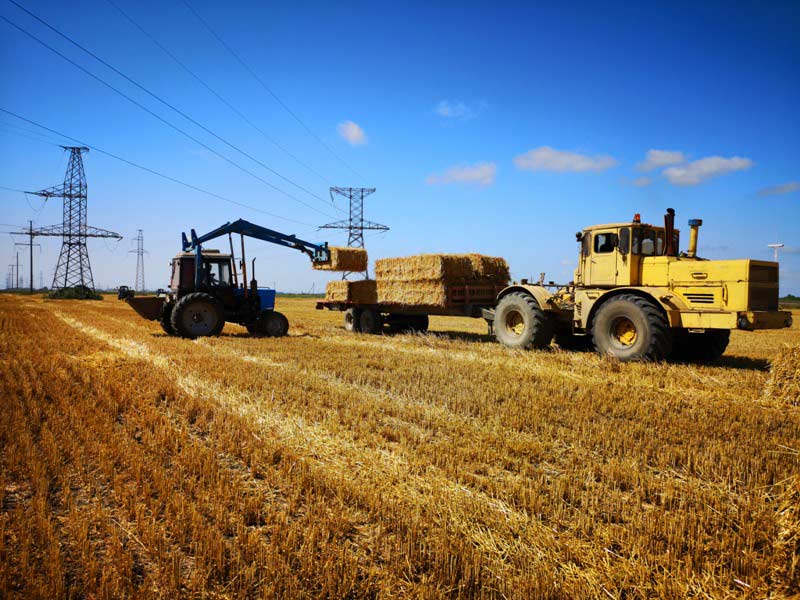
(669, 233)
(694, 227)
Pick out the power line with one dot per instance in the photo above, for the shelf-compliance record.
(268, 89)
(152, 171)
(157, 116)
(216, 94)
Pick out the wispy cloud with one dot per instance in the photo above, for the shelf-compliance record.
(642, 181)
(657, 159)
(784, 188)
(701, 170)
(482, 173)
(352, 133)
(546, 158)
(458, 110)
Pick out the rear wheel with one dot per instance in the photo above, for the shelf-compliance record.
(164, 319)
(197, 315)
(631, 328)
(519, 322)
(705, 346)
(351, 317)
(370, 321)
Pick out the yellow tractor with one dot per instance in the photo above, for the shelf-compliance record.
(638, 297)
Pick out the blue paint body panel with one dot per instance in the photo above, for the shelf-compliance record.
(266, 297)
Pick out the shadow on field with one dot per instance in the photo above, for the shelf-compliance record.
(742, 362)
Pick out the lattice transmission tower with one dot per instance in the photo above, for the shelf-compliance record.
(73, 268)
(355, 225)
(140, 251)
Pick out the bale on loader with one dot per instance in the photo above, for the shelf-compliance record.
(344, 259)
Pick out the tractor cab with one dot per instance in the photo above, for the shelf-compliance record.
(216, 269)
(613, 254)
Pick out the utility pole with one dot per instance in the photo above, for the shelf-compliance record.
(140, 251)
(775, 247)
(31, 234)
(73, 268)
(355, 225)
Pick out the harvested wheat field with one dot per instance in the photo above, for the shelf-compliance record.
(327, 464)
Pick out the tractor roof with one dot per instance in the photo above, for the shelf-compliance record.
(616, 225)
(207, 253)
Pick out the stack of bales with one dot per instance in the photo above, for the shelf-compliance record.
(358, 292)
(783, 384)
(423, 280)
(344, 259)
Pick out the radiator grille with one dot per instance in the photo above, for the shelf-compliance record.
(763, 298)
(764, 273)
(700, 298)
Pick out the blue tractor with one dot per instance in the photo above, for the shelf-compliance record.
(205, 290)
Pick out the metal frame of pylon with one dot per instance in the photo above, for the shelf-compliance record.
(355, 225)
(140, 251)
(73, 268)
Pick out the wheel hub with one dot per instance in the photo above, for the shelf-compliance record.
(199, 319)
(515, 322)
(624, 332)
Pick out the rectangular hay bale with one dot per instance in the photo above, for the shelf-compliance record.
(344, 259)
(359, 292)
(444, 267)
(491, 268)
(413, 293)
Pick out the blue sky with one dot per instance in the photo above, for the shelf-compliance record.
(495, 128)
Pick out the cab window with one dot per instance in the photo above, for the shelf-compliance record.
(647, 242)
(218, 273)
(604, 242)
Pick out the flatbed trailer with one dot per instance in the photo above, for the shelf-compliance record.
(461, 301)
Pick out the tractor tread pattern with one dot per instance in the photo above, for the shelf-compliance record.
(180, 305)
(542, 327)
(661, 334)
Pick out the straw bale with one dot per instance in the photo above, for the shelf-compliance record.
(412, 293)
(344, 259)
(360, 292)
(337, 291)
(784, 380)
(492, 268)
(422, 267)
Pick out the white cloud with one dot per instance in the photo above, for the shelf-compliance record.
(546, 158)
(482, 173)
(456, 109)
(352, 132)
(784, 188)
(704, 169)
(642, 181)
(657, 159)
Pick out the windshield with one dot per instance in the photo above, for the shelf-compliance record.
(218, 273)
(647, 242)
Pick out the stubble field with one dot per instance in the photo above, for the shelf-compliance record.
(328, 464)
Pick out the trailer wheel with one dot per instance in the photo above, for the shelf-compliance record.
(370, 321)
(351, 318)
(519, 322)
(164, 319)
(707, 346)
(631, 328)
(197, 315)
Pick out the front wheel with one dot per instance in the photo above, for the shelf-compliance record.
(632, 328)
(270, 323)
(197, 315)
(519, 322)
(165, 319)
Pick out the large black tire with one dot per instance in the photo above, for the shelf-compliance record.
(165, 318)
(270, 323)
(706, 346)
(370, 321)
(574, 343)
(351, 317)
(519, 322)
(631, 328)
(197, 315)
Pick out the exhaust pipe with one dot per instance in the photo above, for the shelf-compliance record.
(694, 227)
(669, 233)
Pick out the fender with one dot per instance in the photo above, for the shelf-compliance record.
(543, 296)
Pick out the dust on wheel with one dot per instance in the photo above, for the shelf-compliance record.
(631, 328)
(197, 315)
(351, 317)
(370, 321)
(519, 322)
